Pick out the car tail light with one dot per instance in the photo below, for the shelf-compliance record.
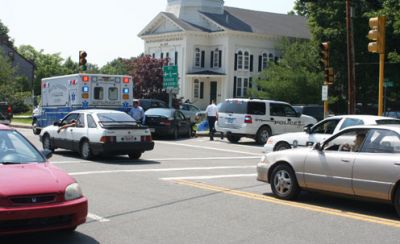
(108, 139)
(146, 139)
(125, 80)
(248, 119)
(85, 78)
(9, 109)
(165, 122)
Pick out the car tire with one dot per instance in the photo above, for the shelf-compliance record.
(284, 183)
(233, 138)
(396, 201)
(84, 150)
(135, 155)
(282, 146)
(35, 130)
(46, 142)
(262, 135)
(175, 133)
(189, 135)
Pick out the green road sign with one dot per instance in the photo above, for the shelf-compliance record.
(170, 77)
(388, 83)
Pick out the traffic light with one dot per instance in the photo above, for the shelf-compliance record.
(82, 61)
(329, 76)
(324, 54)
(377, 34)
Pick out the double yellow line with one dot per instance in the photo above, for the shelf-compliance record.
(254, 196)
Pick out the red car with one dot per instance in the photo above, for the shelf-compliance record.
(34, 194)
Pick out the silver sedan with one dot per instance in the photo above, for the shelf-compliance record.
(362, 161)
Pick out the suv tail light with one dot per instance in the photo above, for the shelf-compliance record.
(248, 119)
(146, 139)
(108, 139)
(9, 109)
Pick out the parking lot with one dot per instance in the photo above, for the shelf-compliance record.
(200, 191)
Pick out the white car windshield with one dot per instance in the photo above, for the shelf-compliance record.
(15, 149)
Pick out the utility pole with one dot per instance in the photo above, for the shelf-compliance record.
(350, 67)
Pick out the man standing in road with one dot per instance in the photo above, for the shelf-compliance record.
(137, 112)
(212, 116)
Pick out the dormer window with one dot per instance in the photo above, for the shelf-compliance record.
(264, 60)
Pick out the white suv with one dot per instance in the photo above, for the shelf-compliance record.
(259, 119)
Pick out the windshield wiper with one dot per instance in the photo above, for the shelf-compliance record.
(6, 163)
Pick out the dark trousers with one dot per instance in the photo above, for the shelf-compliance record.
(211, 123)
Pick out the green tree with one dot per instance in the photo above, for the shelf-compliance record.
(4, 37)
(47, 65)
(327, 21)
(115, 67)
(296, 78)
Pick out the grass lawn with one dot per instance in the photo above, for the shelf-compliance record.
(22, 120)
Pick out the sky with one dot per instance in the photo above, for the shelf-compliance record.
(105, 29)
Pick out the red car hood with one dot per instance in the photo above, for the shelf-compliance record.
(30, 179)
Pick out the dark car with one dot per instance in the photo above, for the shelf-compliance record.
(168, 122)
(5, 113)
(151, 103)
(314, 110)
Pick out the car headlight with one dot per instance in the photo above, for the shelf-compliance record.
(72, 192)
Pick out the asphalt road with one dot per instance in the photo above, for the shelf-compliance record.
(201, 191)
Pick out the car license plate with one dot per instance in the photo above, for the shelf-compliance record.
(230, 120)
(128, 138)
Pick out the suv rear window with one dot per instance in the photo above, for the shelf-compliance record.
(233, 107)
(387, 122)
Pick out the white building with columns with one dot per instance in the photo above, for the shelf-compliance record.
(218, 49)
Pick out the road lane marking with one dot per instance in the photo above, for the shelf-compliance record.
(207, 177)
(209, 148)
(97, 218)
(325, 210)
(160, 159)
(159, 170)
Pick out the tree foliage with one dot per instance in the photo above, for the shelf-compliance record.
(327, 21)
(147, 75)
(115, 67)
(295, 79)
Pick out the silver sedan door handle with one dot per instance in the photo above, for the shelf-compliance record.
(345, 160)
(397, 164)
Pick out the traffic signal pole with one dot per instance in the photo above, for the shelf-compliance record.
(381, 80)
(377, 35)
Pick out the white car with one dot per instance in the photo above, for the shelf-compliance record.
(98, 132)
(322, 130)
(258, 119)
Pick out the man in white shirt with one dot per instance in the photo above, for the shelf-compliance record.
(212, 116)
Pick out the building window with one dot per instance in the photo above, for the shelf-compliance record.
(242, 85)
(264, 60)
(246, 64)
(197, 58)
(240, 60)
(196, 89)
(162, 55)
(216, 58)
(271, 57)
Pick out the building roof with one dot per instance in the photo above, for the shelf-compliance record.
(183, 24)
(274, 24)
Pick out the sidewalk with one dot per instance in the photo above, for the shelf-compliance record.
(20, 125)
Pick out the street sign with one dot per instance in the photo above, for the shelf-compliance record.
(325, 93)
(388, 83)
(170, 77)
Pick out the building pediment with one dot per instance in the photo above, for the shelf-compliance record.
(161, 24)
